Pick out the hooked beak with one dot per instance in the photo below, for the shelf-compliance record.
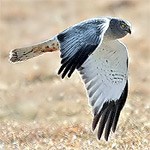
(129, 30)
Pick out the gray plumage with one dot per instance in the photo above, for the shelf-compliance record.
(80, 40)
(92, 47)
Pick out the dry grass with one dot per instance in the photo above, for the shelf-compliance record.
(40, 111)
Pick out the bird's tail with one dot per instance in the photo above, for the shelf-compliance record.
(25, 53)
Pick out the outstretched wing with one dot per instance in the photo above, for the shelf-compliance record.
(78, 42)
(105, 77)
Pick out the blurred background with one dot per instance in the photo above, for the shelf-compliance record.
(38, 110)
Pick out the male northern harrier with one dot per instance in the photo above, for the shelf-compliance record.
(92, 47)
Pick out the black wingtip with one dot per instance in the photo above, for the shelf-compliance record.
(109, 123)
(106, 139)
(103, 121)
(98, 115)
(62, 77)
(109, 115)
(69, 75)
(60, 70)
(71, 71)
(115, 121)
(95, 121)
(119, 105)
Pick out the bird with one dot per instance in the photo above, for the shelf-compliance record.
(93, 48)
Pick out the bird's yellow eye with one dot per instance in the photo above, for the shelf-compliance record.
(123, 26)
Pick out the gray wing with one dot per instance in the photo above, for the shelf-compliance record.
(105, 74)
(78, 42)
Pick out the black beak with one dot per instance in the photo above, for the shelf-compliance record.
(129, 31)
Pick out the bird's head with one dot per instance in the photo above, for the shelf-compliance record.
(119, 27)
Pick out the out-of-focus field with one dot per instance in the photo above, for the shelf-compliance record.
(40, 111)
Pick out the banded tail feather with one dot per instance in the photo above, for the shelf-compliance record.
(25, 53)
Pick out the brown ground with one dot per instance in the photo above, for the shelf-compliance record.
(38, 110)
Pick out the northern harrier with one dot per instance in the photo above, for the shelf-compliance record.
(92, 47)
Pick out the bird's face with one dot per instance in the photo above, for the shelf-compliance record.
(124, 27)
(119, 28)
